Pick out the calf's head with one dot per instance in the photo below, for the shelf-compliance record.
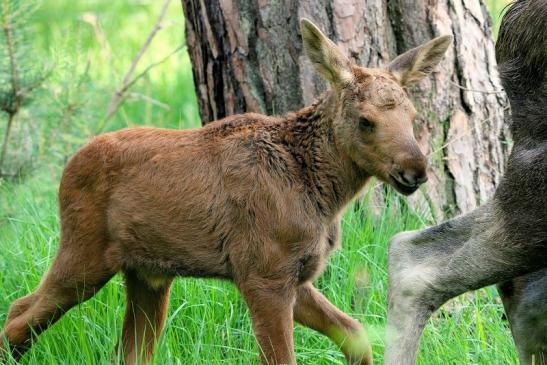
(373, 121)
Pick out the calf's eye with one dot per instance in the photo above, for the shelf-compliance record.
(365, 124)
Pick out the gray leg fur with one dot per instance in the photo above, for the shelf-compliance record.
(428, 267)
(525, 302)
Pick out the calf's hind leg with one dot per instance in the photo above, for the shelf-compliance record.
(428, 267)
(146, 307)
(313, 310)
(67, 283)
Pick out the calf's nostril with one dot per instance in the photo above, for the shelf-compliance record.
(406, 178)
(412, 177)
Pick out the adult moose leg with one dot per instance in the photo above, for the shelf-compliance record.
(313, 310)
(428, 267)
(145, 313)
(525, 302)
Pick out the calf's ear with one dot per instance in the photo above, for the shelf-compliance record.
(327, 58)
(415, 64)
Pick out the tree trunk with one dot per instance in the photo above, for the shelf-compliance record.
(247, 56)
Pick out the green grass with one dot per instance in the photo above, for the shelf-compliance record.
(207, 322)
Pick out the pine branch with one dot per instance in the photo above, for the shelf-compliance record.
(13, 107)
(118, 96)
(151, 66)
(21, 81)
(6, 140)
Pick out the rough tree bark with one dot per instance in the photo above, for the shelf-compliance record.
(247, 56)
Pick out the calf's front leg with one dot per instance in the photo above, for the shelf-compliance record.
(428, 267)
(313, 310)
(270, 304)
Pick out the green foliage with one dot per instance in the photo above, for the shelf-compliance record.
(105, 35)
(15, 65)
(85, 50)
(20, 76)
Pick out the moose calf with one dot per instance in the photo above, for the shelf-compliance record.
(503, 241)
(250, 198)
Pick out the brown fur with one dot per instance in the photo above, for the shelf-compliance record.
(251, 198)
